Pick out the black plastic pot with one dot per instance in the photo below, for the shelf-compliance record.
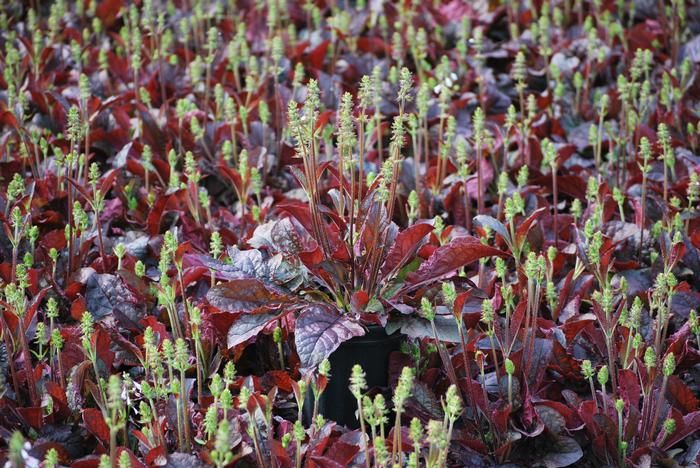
(371, 351)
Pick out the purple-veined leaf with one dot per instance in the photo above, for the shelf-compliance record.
(319, 331)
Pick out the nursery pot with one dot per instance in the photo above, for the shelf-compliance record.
(370, 351)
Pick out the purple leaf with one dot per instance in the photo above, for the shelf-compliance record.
(246, 294)
(419, 328)
(247, 326)
(473, 183)
(567, 452)
(319, 331)
(106, 293)
(222, 271)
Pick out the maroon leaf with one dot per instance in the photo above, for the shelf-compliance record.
(552, 419)
(343, 453)
(34, 416)
(405, 245)
(494, 225)
(95, 423)
(319, 331)
(680, 395)
(688, 425)
(629, 386)
(473, 183)
(448, 258)
(108, 10)
(526, 225)
(424, 402)
(325, 462)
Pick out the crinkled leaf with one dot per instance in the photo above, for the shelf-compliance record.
(105, 293)
(222, 271)
(319, 331)
(280, 236)
(183, 460)
(276, 269)
(246, 294)
(249, 262)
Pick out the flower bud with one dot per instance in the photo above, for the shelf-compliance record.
(243, 398)
(427, 309)
(619, 405)
(404, 387)
(358, 382)
(415, 431)
(649, 358)
(669, 365)
(449, 294)
(603, 375)
(325, 368)
(299, 432)
(510, 367)
(285, 440)
(277, 335)
(453, 404)
(669, 426)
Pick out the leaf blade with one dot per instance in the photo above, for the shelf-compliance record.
(448, 258)
(319, 331)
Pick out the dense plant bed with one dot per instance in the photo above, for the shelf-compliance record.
(213, 211)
